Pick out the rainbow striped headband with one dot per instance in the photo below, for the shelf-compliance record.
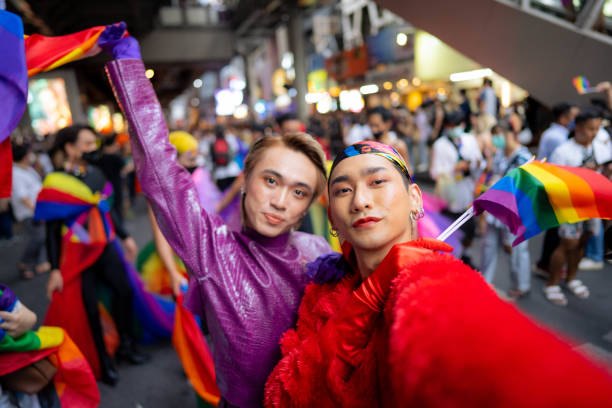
(377, 148)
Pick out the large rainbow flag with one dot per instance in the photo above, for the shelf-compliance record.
(74, 382)
(24, 56)
(537, 196)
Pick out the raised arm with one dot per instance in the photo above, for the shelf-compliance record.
(167, 185)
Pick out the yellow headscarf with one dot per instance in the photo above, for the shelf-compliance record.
(183, 141)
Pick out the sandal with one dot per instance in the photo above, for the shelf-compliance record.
(578, 288)
(517, 294)
(554, 295)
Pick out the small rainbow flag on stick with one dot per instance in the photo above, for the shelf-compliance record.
(537, 196)
(582, 85)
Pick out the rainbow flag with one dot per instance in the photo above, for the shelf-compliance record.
(13, 91)
(47, 53)
(537, 196)
(74, 382)
(192, 350)
(582, 85)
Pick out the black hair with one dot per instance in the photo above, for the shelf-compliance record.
(379, 110)
(69, 134)
(463, 92)
(561, 109)
(487, 81)
(108, 140)
(454, 118)
(219, 131)
(19, 152)
(280, 119)
(586, 115)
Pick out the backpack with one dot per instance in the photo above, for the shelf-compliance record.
(221, 154)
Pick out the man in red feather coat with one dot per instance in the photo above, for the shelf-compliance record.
(409, 325)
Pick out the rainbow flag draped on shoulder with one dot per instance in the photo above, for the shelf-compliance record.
(87, 230)
(74, 382)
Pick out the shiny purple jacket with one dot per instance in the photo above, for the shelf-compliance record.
(247, 287)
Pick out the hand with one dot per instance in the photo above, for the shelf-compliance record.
(115, 41)
(462, 166)
(55, 282)
(176, 281)
(605, 86)
(17, 322)
(131, 249)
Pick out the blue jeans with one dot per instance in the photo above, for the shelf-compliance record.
(520, 264)
(595, 245)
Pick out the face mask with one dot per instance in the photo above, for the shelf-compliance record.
(499, 141)
(191, 169)
(91, 157)
(456, 132)
(377, 135)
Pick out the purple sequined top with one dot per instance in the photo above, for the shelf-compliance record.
(247, 287)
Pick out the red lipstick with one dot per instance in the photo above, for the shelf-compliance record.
(366, 222)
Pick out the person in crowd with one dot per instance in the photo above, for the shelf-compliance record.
(455, 163)
(510, 155)
(245, 284)
(405, 129)
(409, 326)
(602, 154)
(424, 130)
(564, 115)
(380, 122)
(488, 102)
(578, 151)
(356, 130)
(466, 108)
(113, 166)
(289, 123)
(222, 152)
(96, 259)
(25, 189)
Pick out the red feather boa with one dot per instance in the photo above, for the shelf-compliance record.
(444, 339)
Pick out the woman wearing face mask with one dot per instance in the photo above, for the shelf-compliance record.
(510, 155)
(409, 326)
(246, 284)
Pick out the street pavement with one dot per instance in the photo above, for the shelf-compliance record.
(162, 383)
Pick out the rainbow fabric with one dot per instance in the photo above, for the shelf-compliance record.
(74, 382)
(537, 196)
(377, 148)
(581, 84)
(192, 350)
(47, 53)
(13, 91)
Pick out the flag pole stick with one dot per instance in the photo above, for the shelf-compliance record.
(469, 213)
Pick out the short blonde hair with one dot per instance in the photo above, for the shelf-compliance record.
(299, 142)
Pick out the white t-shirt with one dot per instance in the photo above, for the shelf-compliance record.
(571, 154)
(552, 138)
(444, 158)
(358, 133)
(26, 184)
(602, 146)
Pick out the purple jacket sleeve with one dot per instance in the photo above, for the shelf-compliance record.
(167, 185)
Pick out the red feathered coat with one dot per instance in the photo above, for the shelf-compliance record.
(445, 339)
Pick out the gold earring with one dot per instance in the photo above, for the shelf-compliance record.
(333, 232)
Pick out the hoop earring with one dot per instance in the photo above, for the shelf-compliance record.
(417, 214)
(421, 213)
(333, 232)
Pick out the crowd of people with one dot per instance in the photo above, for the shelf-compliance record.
(249, 283)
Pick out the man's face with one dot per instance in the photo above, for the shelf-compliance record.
(85, 143)
(586, 131)
(279, 190)
(378, 126)
(291, 126)
(370, 204)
